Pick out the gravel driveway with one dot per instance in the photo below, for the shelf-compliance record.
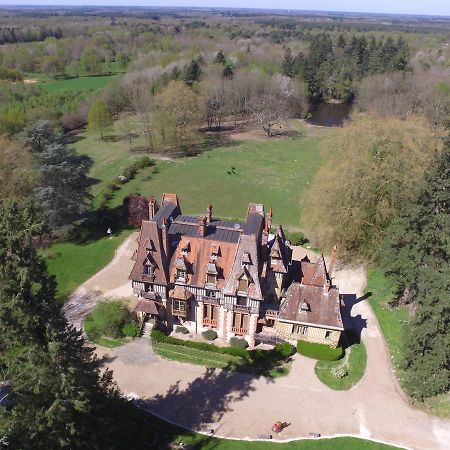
(240, 406)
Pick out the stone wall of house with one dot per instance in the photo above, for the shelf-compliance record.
(293, 332)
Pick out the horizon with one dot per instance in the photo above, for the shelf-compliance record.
(402, 7)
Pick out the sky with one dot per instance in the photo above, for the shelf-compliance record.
(429, 7)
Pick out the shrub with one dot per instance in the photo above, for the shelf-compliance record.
(131, 329)
(210, 335)
(143, 162)
(319, 351)
(180, 329)
(238, 343)
(107, 319)
(296, 238)
(285, 350)
(159, 336)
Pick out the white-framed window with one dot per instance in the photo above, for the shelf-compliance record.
(148, 269)
(181, 274)
(299, 329)
(179, 305)
(211, 293)
(243, 285)
(211, 278)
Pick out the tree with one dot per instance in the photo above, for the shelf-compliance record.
(192, 73)
(288, 63)
(182, 105)
(416, 255)
(373, 168)
(136, 210)
(91, 61)
(63, 189)
(269, 111)
(60, 399)
(99, 118)
(220, 58)
(17, 170)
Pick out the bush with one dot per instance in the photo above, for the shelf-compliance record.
(210, 335)
(143, 162)
(159, 336)
(107, 319)
(180, 329)
(238, 343)
(321, 352)
(131, 329)
(285, 350)
(296, 238)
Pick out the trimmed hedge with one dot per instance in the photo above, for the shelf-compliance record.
(131, 329)
(321, 352)
(159, 336)
(210, 335)
(238, 342)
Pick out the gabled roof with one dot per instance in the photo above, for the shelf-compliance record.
(312, 305)
(150, 247)
(247, 245)
(314, 274)
(280, 253)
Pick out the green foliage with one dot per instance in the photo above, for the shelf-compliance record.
(192, 73)
(295, 237)
(344, 373)
(181, 329)
(131, 329)
(12, 119)
(63, 191)
(238, 343)
(220, 57)
(415, 255)
(209, 335)
(321, 352)
(159, 336)
(99, 117)
(61, 400)
(10, 74)
(108, 318)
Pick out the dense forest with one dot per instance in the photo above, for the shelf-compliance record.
(385, 200)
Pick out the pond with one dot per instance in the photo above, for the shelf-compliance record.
(329, 114)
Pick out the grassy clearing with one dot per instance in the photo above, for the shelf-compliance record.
(73, 263)
(354, 363)
(109, 342)
(95, 83)
(271, 172)
(391, 320)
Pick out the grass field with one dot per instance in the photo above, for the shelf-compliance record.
(354, 362)
(73, 263)
(271, 172)
(77, 84)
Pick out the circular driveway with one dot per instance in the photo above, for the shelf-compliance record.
(240, 405)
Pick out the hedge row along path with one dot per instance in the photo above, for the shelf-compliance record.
(242, 406)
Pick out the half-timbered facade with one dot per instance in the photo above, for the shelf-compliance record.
(202, 273)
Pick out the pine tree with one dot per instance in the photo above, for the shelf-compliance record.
(60, 399)
(288, 63)
(220, 58)
(192, 73)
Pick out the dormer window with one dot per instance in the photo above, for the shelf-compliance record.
(305, 306)
(148, 269)
(246, 260)
(243, 284)
(181, 275)
(211, 273)
(210, 278)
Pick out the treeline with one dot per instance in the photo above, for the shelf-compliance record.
(383, 195)
(13, 35)
(331, 69)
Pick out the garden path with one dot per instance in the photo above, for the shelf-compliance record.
(242, 406)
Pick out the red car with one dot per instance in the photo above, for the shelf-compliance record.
(279, 426)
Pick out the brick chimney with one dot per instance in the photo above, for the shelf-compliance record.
(152, 208)
(202, 226)
(332, 261)
(209, 214)
(269, 220)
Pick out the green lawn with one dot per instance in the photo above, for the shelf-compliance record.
(109, 342)
(169, 434)
(212, 359)
(354, 363)
(391, 320)
(77, 84)
(74, 263)
(271, 172)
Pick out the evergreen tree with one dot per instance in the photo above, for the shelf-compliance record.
(416, 255)
(288, 63)
(63, 188)
(341, 41)
(220, 58)
(59, 399)
(192, 73)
